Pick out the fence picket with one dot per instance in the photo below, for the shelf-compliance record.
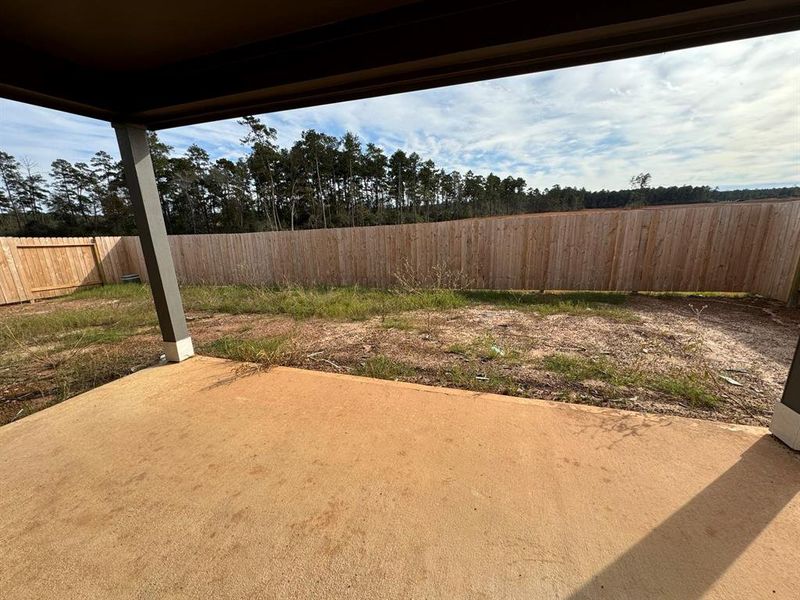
(745, 247)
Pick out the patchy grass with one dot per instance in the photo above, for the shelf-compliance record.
(383, 367)
(722, 295)
(112, 292)
(82, 371)
(519, 298)
(578, 368)
(356, 303)
(61, 347)
(349, 303)
(95, 334)
(691, 387)
(395, 322)
(601, 304)
(40, 377)
(460, 349)
(91, 336)
(476, 377)
(264, 350)
(67, 326)
(471, 377)
(485, 347)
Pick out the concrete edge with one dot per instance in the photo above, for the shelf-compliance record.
(431, 389)
(428, 389)
(785, 425)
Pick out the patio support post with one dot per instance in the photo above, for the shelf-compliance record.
(786, 418)
(141, 180)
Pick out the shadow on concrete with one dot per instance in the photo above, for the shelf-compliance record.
(687, 553)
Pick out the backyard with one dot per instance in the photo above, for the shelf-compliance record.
(712, 357)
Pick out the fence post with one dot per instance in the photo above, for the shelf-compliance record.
(96, 255)
(794, 291)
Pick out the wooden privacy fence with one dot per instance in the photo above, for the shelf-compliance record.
(746, 247)
(34, 268)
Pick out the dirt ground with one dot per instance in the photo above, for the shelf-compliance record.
(740, 348)
(745, 342)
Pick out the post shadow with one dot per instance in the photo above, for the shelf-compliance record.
(687, 553)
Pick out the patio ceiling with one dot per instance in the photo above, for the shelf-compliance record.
(162, 64)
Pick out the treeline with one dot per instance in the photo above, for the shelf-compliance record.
(320, 181)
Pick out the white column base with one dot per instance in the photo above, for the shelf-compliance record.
(180, 350)
(786, 426)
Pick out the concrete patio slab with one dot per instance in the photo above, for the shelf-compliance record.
(207, 479)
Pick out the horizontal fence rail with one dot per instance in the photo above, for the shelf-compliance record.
(43, 267)
(745, 247)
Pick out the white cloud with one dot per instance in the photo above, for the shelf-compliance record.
(727, 114)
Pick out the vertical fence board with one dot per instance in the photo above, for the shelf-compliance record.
(740, 247)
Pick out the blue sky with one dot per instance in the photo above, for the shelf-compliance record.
(726, 115)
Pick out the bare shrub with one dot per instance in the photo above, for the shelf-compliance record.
(440, 277)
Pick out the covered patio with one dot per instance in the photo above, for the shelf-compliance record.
(210, 479)
(207, 478)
